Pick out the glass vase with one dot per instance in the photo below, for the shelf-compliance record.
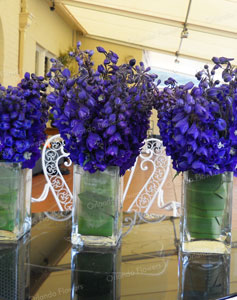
(203, 276)
(15, 201)
(205, 223)
(96, 273)
(15, 269)
(97, 207)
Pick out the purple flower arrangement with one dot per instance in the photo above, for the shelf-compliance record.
(198, 124)
(103, 114)
(23, 117)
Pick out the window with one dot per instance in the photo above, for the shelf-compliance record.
(42, 60)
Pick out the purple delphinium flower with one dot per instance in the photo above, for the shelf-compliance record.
(198, 124)
(23, 117)
(93, 141)
(103, 114)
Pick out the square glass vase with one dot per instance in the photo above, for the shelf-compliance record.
(15, 201)
(97, 207)
(206, 214)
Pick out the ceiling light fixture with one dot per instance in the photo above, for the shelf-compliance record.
(184, 33)
(177, 61)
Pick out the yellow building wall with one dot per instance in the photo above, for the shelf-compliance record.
(48, 30)
(9, 40)
(153, 124)
(1, 51)
(42, 26)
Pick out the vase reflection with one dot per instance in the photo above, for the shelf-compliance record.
(96, 274)
(15, 269)
(203, 276)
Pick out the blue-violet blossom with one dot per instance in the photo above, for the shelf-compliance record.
(23, 117)
(103, 114)
(198, 124)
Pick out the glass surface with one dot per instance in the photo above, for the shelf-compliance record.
(96, 219)
(15, 200)
(145, 267)
(206, 213)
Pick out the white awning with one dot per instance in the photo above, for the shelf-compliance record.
(208, 27)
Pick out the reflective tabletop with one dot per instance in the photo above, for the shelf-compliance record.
(144, 266)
